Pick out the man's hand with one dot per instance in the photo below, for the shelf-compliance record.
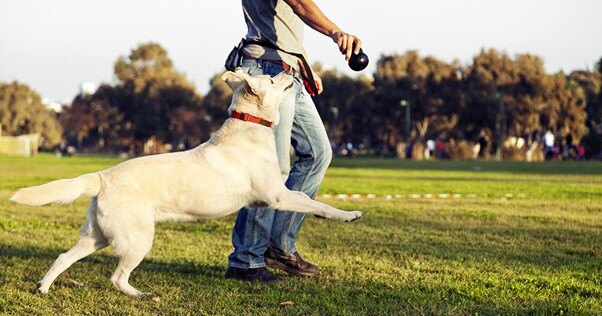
(348, 44)
(311, 15)
(318, 82)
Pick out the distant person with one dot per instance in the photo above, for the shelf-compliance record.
(61, 150)
(409, 149)
(548, 140)
(440, 147)
(430, 149)
(274, 44)
(569, 139)
(483, 142)
(569, 147)
(580, 152)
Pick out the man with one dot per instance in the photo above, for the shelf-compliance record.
(548, 139)
(264, 236)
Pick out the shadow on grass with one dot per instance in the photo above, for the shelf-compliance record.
(537, 242)
(202, 289)
(7, 252)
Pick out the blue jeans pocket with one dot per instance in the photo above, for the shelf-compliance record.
(271, 68)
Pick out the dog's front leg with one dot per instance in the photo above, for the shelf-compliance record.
(296, 201)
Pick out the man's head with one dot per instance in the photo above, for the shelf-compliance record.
(258, 95)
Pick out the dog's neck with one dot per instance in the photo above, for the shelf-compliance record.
(235, 131)
(249, 104)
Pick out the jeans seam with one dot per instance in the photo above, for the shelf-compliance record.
(314, 158)
(288, 229)
(303, 183)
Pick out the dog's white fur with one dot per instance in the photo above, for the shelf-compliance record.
(236, 167)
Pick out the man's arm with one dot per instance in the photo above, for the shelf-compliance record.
(311, 15)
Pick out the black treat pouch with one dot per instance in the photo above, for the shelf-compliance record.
(234, 58)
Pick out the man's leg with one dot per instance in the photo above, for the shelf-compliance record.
(252, 229)
(314, 154)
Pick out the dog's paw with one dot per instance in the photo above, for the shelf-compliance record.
(41, 289)
(354, 216)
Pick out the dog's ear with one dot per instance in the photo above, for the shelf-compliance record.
(283, 80)
(238, 78)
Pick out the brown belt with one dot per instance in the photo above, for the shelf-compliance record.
(287, 68)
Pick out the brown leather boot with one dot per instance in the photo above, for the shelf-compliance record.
(293, 264)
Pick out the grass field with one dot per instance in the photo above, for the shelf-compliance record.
(538, 254)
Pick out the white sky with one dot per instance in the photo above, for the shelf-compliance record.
(55, 45)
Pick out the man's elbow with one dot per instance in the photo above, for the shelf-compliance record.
(298, 6)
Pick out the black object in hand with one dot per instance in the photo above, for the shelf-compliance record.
(358, 62)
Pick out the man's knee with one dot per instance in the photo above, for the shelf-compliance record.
(323, 155)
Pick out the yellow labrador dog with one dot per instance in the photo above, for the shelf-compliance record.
(236, 167)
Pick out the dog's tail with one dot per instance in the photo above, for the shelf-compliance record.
(60, 191)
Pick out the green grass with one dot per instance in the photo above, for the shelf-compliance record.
(540, 254)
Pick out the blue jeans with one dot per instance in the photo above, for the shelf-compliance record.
(300, 125)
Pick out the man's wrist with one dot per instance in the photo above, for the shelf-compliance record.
(334, 32)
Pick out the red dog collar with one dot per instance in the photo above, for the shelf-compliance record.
(250, 118)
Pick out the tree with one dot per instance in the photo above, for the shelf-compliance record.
(22, 112)
(430, 86)
(525, 98)
(150, 100)
(95, 121)
(217, 101)
(565, 107)
(489, 78)
(345, 107)
(591, 83)
(505, 96)
(156, 100)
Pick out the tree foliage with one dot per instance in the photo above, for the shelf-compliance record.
(591, 83)
(429, 85)
(156, 100)
(346, 107)
(149, 100)
(95, 121)
(495, 95)
(22, 112)
(216, 101)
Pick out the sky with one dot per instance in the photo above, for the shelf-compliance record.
(54, 46)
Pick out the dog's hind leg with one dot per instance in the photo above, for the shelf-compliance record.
(91, 240)
(299, 202)
(131, 246)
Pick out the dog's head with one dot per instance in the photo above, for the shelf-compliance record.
(258, 95)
